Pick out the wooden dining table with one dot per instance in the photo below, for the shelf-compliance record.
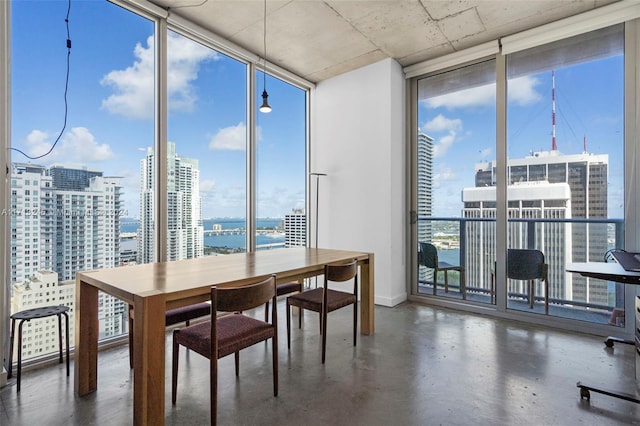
(154, 288)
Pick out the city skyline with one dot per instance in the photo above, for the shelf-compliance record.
(107, 93)
(110, 98)
(462, 124)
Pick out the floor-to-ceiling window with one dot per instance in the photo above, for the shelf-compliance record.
(565, 140)
(82, 118)
(93, 200)
(549, 168)
(456, 217)
(280, 166)
(206, 153)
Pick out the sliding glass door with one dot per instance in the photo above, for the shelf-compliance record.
(565, 140)
(456, 216)
(556, 177)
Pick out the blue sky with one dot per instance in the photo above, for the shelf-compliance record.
(111, 105)
(462, 124)
(110, 98)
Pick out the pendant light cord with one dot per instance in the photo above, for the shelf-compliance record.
(66, 89)
(264, 58)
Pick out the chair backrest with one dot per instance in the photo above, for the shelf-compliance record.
(428, 255)
(525, 264)
(243, 298)
(341, 272)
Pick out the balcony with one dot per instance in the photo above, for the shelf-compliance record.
(470, 242)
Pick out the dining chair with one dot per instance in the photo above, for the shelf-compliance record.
(324, 300)
(230, 333)
(526, 265)
(172, 317)
(428, 257)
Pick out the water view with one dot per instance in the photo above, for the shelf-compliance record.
(229, 233)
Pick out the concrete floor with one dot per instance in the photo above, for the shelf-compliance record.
(423, 366)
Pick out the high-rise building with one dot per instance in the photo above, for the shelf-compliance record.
(295, 229)
(586, 176)
(527, 200)
(425, 195)
(185, 233)
(425, 185)
(63, 220)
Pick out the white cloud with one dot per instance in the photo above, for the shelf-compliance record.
(37, 143)
(134, 88)
(521, 90)
(444, 144)
(232, 138)
(82, 145)
(207, 185)
(441, 123)
(443, 175)
(76, 145)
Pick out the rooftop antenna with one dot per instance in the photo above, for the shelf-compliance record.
(554, 147)
(584, 144)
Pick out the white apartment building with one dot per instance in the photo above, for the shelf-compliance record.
(425, 185)
(185, 233)
(63, 220)
(425, 196)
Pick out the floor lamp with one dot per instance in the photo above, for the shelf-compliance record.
(317, 176)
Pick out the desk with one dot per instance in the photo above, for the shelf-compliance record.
(610, 272)
(154, 288)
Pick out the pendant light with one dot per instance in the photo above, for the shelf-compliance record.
(265, 108)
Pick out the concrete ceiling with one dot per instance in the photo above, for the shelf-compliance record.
(318, 39)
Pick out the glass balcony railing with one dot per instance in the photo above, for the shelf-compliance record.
(470, 244)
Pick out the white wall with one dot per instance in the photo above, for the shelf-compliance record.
(358, 140)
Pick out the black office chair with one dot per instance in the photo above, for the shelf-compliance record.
(526, 265)
(428, 257)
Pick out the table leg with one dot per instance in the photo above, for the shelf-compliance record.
(149, 360)
(367, 321)
(86, 338)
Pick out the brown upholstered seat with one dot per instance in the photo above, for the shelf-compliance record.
(187, 313)
(230, 333)
(172, 317)
(324, 300)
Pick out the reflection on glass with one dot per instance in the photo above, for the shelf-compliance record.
(564, 131)
(456, 115)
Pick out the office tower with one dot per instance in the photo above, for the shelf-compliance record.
(586, 175)
(63, 220)
(295, 229)
(185, 233)
(527, 200)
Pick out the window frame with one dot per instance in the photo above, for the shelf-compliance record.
(575, 25)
